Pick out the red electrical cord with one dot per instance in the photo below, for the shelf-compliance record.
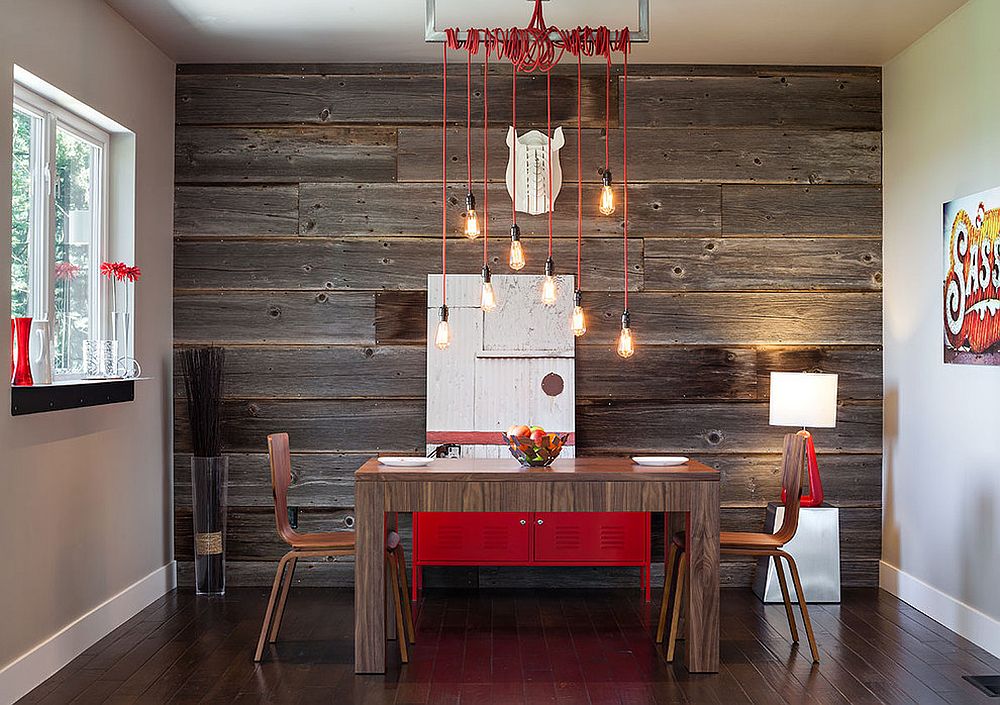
(548, 122)
(444, 180)
(607, 113)
(513, 198)
(486, 157)
(579, 175)
(625, 157)
(468, 112)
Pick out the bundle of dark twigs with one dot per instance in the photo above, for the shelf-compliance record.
(203, 369)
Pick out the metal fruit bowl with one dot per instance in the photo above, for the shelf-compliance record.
(536, 455)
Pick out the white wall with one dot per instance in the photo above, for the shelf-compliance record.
(85, 494)
(941, 532)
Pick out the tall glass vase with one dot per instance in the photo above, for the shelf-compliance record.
(209, 479)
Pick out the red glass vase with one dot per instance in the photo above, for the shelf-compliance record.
(21, 336)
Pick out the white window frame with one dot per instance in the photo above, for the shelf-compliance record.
(42, 238)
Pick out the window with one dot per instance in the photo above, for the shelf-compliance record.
(58, 225)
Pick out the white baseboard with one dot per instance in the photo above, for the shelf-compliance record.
(32, 668)
(976, 626)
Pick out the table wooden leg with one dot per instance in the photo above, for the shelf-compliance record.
(369, 578)
(702, 651)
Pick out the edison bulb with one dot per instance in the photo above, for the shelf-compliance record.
(516, 259)
(471, 218)
(443, 338)
(607, 204)
(549, 291)
(626, 345)
(471, 225)
(488, 299)
(579, 321)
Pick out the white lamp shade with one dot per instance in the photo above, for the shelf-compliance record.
(803, 399)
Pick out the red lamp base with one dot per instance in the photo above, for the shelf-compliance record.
(815, 496)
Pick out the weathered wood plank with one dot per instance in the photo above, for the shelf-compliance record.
(291, 154)
(342, 426)
(755, 264)
(251, 532)
(748, 479)
(318, 480)
(753, 480)
(723, 318)
(415, 209)
(329, 318)
(628, 427)
(734, 572)
(843, 102)
(391, 99)
(665, 373)
(246, 210)
(377, 263)
(859, 369)
(320, 372)
(671, 155)
(802, 210)
(401, 317)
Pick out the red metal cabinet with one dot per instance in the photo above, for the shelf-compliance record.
(461, 538)
(544, 538)
(591, 538)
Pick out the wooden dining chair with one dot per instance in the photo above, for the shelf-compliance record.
(320, 545)
(750, 544)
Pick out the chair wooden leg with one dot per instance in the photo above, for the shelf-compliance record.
(802, 607)
(405, 592)
(668, 576)
(678, 600)
(280, 612)
(398, 607)
(788, 600)
(269, 612)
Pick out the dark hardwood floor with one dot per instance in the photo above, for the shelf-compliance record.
(510, 647)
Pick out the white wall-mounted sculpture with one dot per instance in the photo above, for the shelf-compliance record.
(491, 375)
(528, 168)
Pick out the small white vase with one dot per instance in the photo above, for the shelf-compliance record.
(40, 351)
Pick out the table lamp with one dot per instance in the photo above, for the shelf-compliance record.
(805, 399)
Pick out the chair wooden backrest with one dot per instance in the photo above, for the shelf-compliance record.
(281, 477)
(793, 459)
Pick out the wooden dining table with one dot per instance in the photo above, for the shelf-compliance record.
(568, 485)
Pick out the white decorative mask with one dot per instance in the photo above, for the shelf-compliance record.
(528, 168)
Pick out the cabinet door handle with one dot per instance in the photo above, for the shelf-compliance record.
(523, 522)
(540, 522)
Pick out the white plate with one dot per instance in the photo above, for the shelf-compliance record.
(410, 461)
(659, 460)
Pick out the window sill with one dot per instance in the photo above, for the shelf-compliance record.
(71, 394)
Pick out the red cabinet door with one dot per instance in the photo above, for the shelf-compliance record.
(591, 537)
(481, 538)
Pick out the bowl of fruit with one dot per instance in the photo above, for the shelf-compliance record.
(532, 446)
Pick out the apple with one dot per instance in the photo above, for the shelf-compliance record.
(518, 430)
(536, 428)
(537, 435)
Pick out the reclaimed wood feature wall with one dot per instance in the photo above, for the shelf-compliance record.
(306, 217)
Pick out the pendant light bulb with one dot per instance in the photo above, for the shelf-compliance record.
(579, 321)
(443, 337)
(516, 261)
(607, 205)
(626, 344)
(549, 292)
(488, 300)
(471, 218)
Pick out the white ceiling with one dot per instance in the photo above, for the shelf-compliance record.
(866, 32)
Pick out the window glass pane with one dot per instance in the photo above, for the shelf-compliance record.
(21, 215)
(76, 248)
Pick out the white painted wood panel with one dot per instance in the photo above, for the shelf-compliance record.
(509, 390)
(521, 322)
(451, 373)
